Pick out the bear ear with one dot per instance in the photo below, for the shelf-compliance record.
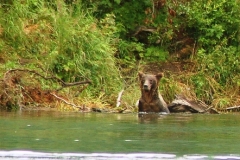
(159, 76)
(140, 74)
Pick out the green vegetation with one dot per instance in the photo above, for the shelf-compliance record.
(108, 42)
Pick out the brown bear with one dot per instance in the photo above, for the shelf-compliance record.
(151, 100)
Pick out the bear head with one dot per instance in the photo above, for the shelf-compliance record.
(149, 82)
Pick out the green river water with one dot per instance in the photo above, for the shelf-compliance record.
(58, 135)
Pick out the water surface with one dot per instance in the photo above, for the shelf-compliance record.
(168, 136)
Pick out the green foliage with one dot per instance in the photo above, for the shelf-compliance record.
(169, 88)
(223, 102)
(66, 40)
(223, 64)
(203, 87)
(130, 15)
(215, 26)
(127, 50)
(155, 54)
(212, 22)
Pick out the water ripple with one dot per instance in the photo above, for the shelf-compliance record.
(21, 154)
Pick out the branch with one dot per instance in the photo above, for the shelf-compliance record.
(72, 104)
(144, 28)
(63, 84)
(153, 6)
(119, 98)
(234, 107)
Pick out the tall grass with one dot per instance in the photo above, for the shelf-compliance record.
(65, 40)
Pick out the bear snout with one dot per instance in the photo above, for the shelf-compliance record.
(147, 86)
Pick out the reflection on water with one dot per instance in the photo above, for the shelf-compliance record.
(150, 118)
(120, 136)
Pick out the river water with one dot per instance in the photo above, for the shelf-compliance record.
(58, 135)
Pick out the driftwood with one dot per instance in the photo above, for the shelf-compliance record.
(234, 108)
(65, 101)
(119, 98)
(182, 104)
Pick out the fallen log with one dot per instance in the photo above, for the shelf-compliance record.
(182, 104)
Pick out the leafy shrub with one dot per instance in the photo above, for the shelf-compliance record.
(155, 54)
(222, 64)
(212, 22)
(132, 15)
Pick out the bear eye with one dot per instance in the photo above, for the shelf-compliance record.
(151, 81)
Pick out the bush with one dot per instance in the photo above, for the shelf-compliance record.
(67, 40)
(212, 23)
(222, 64)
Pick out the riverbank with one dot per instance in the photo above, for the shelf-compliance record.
(16, 93)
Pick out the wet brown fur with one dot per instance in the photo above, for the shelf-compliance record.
(150, 100)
